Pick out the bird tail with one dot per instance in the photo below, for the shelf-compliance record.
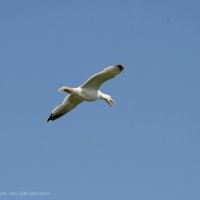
(65, 89)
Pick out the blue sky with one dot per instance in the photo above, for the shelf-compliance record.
(147, 145)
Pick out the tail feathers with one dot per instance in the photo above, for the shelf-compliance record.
(65, 89)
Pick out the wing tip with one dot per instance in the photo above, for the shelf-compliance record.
(50, 118)
(53, 117)
(120, 67)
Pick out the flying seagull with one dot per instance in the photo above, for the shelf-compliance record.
(88, 91)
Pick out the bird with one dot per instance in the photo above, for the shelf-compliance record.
(88, 91)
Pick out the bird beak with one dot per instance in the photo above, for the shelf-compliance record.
(110, 102)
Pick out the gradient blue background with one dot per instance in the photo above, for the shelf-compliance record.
(147, 146)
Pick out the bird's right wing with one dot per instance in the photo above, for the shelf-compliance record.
(70, 102)
(98, 79)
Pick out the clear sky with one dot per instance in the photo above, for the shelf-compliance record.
(147, 146)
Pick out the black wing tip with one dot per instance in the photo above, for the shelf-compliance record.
(50, 118)
(120, 67)
(53, 117)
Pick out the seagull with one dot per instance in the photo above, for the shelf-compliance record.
(88, 91)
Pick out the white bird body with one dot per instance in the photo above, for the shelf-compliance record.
(88, 91)
(88, 94)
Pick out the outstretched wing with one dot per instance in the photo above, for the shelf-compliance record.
(70, 102)
(98, 79)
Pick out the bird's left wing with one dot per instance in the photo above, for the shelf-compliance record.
(98, 79)
(70, 102)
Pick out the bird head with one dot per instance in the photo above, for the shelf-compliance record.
(109, 100)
